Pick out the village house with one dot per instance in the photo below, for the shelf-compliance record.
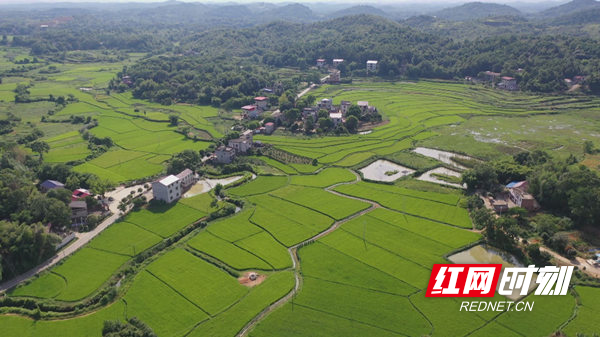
(224, 155)
(250, 111)
(517, 192)
(167, 189)
(186, 177)
(508, 83)
(344, 106)
(240, 145)
(334, 76)
(277, 116)
(310, 113)
(371, 65)
(337, 62)
(48, 185)
(336, 118)
(247, 135)
(325, 104)
(79, 211)
(269, 128)
(127, 80)
(261, 102)
(80, 193)
(490, 76)
(321, 63)
(500, 206)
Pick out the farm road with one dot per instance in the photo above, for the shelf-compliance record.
(82, 239)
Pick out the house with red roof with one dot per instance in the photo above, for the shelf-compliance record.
(261, 102)
(250, 111)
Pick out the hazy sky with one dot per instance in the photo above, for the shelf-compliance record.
(288, 1)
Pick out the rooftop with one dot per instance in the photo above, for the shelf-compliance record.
(223, 148)
(78, 204)
(270, 124)
(335, 115)
(362, 103)
(338, 60)
(184, 173)
(260, 98)
(52, 184)
(249, 107)
(507, 78)
(371, 62)
(168, 180)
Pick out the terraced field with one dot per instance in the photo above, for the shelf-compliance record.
(339, 257)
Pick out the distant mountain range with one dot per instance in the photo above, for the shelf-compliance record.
(467, 20)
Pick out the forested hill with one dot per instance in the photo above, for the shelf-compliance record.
(403, 51)
(476, 10)
(228, 66)
(570, 8)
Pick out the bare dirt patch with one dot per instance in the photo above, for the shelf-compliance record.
(251, 279)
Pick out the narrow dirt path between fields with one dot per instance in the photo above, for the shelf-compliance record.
(293, 251)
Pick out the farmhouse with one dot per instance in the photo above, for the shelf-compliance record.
(336, 118)
(247, 135)
(508, 83)
(344, 105)
(269, 128)
(79, 211)
(167, 189)
(261, 102)
(325, 104)
(490, 76)
(186, 177)
(310, 113)
(80, 193)
(321, 63)
(224, 155)
(240, 145)
(250, 111)
(337, 62)
(371, 65)
(517, 191)
(334, 76)
(48, 185)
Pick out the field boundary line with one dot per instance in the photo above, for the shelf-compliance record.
(350, 319)
(177, 292)
(409, 231)
(355, 286)
(370, 266)
(385, 249)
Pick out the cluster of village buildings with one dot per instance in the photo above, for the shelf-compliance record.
(78, 206)
(498, 81)
(337, 113)
(514, 195)
(334, 72)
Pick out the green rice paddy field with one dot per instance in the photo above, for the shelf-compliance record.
(364, 250)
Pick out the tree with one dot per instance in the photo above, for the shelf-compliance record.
(40, 147)
(325, 123)
(588, 147)
(481, 176)
(173, 120)
(309, 125)
(354, 110)
(351, 123)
